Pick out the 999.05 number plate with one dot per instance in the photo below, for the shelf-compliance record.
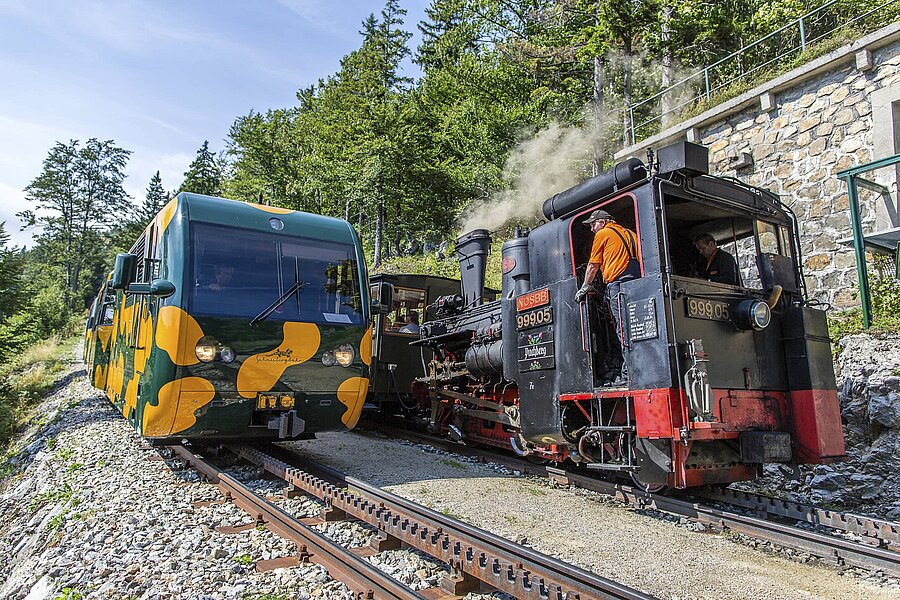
(712, 310)
(534, 318)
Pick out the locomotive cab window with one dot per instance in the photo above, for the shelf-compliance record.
(711, 242)
(407, 310)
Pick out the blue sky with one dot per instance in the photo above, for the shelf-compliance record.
(158, 77)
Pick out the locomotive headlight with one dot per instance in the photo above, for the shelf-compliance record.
(206, 349)
(226, 354)
(328, 358)
(344, 355)
(752, 314)
(761, 316)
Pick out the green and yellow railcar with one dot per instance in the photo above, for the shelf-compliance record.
(97, 336)
(237, 321)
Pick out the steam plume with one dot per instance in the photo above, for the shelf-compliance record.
(553, 160)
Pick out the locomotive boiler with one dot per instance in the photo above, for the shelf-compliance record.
(721, 377)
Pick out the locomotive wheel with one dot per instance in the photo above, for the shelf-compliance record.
(650, 488)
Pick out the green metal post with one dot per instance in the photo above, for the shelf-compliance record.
(897, 261)
(862, 272)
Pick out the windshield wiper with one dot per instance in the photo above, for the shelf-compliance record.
(271, 308)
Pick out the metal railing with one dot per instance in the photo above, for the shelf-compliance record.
(794, 38)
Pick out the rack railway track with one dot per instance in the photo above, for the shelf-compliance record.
(342, 564)
(878, 547)
(475, 556)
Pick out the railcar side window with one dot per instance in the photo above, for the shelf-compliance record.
(108, 308)
(768, 237)
(239, 272)
(407, 311)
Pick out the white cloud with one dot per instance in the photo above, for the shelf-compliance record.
(316, 13)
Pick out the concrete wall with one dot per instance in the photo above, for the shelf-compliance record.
(792, 136)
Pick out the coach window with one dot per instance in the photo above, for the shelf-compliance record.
(407, 311)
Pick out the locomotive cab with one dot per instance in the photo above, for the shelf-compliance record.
(723, 374)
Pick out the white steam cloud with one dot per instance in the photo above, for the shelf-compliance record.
(555, 159)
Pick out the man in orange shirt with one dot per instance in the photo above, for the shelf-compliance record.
(613, 253)
(614, 257)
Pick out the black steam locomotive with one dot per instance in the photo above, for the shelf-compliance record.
(721, 378)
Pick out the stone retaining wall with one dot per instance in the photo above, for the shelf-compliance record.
(794, 140)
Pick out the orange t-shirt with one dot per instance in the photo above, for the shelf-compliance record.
(610, 253)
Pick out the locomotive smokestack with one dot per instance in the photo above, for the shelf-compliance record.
(472, 250)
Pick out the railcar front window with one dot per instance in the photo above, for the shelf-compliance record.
(240, 273)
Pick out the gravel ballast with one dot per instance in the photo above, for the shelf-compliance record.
(94, 510)
(666, 557)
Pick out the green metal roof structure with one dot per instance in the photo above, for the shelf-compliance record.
(883, 242)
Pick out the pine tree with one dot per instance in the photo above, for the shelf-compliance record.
(204, 175)
(12, 293)
(154, 201)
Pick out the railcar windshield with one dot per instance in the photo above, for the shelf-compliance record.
(240, 273)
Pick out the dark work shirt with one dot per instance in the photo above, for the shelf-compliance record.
(721, 269)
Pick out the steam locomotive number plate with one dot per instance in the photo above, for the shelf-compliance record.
(711, 310)
(534, 318)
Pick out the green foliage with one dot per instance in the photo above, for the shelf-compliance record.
(244, 559)
(885, 293)
(204, 175)
(69, 593)
(78, 199)
(58, 495)
(26, 379)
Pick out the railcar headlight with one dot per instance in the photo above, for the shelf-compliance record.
(226, 354)
(344, 355)
(328, 358)
(752, 314)
(206, 349)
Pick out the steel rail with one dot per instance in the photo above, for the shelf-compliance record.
(342, 564)
(469, 550)
(839, 550)
(885, 533)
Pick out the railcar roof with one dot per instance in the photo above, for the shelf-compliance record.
(246, 215)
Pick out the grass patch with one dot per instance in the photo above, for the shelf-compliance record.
(26, 380)
(453, 464)
(885, 293)
(69, 594)
(448, 513)
(532, 490)
(63, 494)
(244, 559)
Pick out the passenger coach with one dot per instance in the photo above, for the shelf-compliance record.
(235, 320)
